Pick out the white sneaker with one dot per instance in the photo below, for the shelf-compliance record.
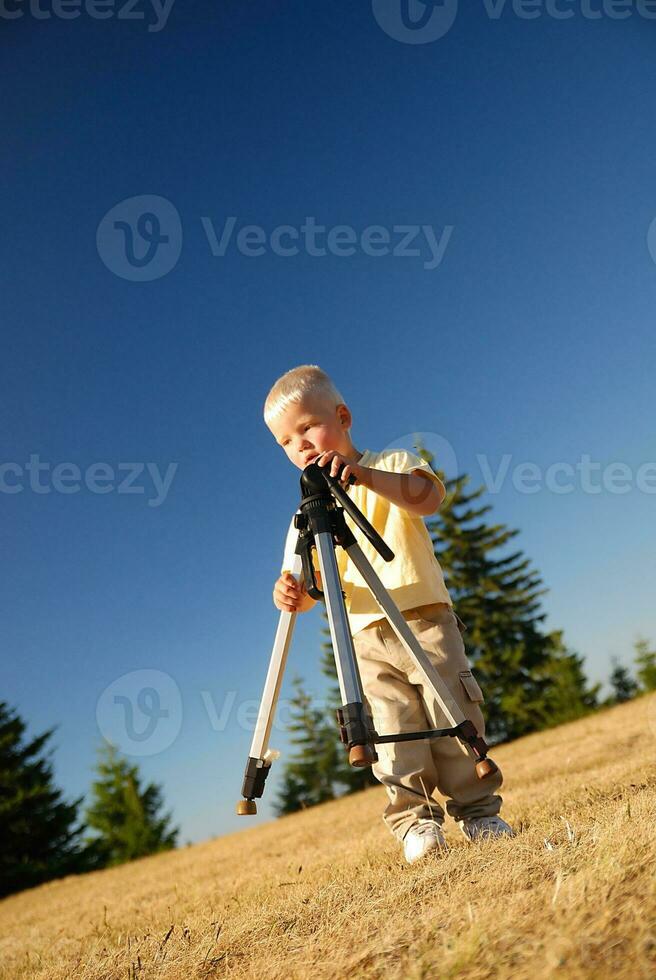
(423, 836)
(478, 828)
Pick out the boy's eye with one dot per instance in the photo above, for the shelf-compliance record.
(310, 425)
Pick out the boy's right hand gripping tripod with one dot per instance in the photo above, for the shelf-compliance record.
(321, 525)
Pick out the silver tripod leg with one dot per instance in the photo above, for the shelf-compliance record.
(260, 759)
(350, 685)
(281, 646)
(272, 685)
(406, 636)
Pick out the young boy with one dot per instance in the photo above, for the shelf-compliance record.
(394, 490)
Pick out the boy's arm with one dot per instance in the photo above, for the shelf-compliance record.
(415, 492)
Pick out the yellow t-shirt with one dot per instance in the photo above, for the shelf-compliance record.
(413, 577)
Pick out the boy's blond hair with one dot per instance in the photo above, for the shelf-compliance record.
(294, 385)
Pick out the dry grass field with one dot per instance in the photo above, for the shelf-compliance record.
(326, 892)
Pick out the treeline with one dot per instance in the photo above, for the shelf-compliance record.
(531, 680)
(42, 837)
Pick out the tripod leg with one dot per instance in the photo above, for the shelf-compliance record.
(259, 763)
(467, 734)
(355, 722)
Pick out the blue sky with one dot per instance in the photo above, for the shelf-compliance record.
(530, 341)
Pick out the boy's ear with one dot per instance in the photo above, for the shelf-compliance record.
(344, 416)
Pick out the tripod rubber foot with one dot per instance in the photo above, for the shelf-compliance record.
(246, 808)
(362, 755)
(485, 768)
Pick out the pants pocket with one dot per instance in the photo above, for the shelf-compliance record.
(471, 686)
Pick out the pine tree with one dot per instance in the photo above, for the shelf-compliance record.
(38, 836)
(567, 695)
(124, 816)
(523, 672)
(645, 661)
(623, 685)
(310, 774)
(291, 796)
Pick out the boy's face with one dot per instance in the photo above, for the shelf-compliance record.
(311, 427)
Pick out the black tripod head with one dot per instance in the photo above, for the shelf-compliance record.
(320, 490)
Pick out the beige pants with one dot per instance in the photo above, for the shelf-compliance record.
(400, 701)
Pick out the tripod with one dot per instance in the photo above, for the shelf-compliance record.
(321, 525)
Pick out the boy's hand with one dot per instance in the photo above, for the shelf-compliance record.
(334, 459)
(289, 596)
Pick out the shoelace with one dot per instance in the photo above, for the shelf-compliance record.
(425, 828)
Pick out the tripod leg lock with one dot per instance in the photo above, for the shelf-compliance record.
(466, 732)
(356, 729)
(254, 778)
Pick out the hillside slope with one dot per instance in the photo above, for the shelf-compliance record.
(326, 892)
